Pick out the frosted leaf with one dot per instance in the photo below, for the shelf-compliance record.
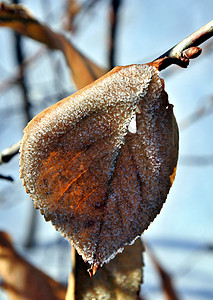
(97, 182)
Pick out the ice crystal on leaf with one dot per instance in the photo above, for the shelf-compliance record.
(100, 183)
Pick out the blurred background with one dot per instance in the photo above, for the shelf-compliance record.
(181, 237)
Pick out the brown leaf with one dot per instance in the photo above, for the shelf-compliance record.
(120, 279)
(100, 184)
(19, 19)
(21, 280)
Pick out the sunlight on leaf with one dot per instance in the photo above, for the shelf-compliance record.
(100, 184)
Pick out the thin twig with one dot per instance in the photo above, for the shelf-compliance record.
(201, 112)
(74, 8)
(9, 178)
(8, 153)
(206, 50)
(31, 228)
(7, 83)
(194, 40)
(22, 80)
(187, 49)
(115, 5)
(166, 279)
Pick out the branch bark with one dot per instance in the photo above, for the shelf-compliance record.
(187, 49)
(9, 178)
(19, 55)
(115, 5)
(7, 154)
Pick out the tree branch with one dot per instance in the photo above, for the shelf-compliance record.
(9, 178)
(7, 83)
(166, 279)
(203, 111)
(187, 49)
(21, 21)
(115, 5)
(8, 153)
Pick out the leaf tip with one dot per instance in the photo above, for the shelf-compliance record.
(92, 271)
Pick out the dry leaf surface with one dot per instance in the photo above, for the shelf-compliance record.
(100, 184)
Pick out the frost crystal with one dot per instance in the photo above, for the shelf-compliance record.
(98, 179)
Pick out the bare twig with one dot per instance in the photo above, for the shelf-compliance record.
(194, 40)
(207, 49)
(115, 4)
(74, 8)
(8, 153)
(4, 85)
(201, 112)
(22, 80)
(9, 178)
(186, 49)
(21, 21)
(31, 228)
(166, 279)
(197, 160)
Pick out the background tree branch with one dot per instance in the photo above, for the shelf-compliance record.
(9, 178)
(7, 154)
(84, 71)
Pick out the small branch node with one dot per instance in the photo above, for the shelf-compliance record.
(191, 52)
